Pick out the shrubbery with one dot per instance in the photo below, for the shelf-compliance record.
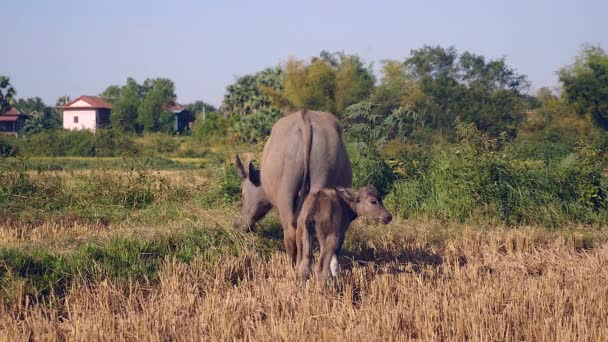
(81, 143)
(215, 126)
(255, 127)
(483, 178)
(7, 148)
(369, 168)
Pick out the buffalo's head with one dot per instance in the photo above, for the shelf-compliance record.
(254, 203)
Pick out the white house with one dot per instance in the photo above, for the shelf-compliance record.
(86, 112)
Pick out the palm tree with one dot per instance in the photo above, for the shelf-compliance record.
(7, 92)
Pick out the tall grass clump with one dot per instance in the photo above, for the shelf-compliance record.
(225, 189)
(99, 194)
(483, 178)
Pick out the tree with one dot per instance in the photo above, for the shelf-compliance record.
(200, 106)
(364, 124)
(44, 117)
(111, 93)
(251, 93)
(585, 84)
(330, 82)
(7, 92)
(125, 109)
(151, 115)
(354, 82)
(446, 85)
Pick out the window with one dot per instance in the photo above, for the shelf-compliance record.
(75, 119)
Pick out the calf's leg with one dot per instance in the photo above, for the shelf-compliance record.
(326, 254)
(305, 244)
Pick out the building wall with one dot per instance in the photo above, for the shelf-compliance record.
(86, 119)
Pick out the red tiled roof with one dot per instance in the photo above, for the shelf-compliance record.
(94, 101)
(7, 118)
(12, 112)
(174, 107)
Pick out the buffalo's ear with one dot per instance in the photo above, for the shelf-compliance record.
(254, 175)
(239, 167)
(348, 194)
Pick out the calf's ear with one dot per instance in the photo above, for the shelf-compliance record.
(239, 167)
(347, 194)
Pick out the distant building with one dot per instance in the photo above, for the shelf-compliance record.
(183, 117)
(86, 112)
(12, 121)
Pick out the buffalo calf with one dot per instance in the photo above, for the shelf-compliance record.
(325, 216)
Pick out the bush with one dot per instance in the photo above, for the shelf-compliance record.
(214, 126)
(7, 148)
(112, 143)
(226, 190)
(164, 143)
(369, 168)
(255, 127)
(482, 178)
(78, 143)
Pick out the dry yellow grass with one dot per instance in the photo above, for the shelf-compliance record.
(410, 281)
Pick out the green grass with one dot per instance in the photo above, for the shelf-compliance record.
(110, 163)
(44, 272)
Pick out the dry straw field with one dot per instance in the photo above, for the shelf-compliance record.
(411, 280)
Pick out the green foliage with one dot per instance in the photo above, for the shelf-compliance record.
(229, 184)
(44, 117)
(488, 93)
(81, 143)
(212, 126)
(369, 168)
(252, 93)
(7, 148)
(113, 92)
(7, 92)
(151, 115)
(140, 108)
(329, 83)
(226, 190)
(434, 85)
(200, 106)
(585, 84)
(365, 124)
(255, 127)
(354, 81)
(45, 273)
(484, 178)
(163, 143)
(124, 108)
(98, 195)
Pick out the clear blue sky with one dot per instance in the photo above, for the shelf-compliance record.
(53, 48)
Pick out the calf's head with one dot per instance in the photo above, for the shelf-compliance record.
(366, 202)
(254, 203)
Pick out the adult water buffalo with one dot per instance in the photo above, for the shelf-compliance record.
(305, 152)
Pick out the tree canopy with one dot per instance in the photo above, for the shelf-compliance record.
(7, 92)
(140, 107)
(585, 84)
